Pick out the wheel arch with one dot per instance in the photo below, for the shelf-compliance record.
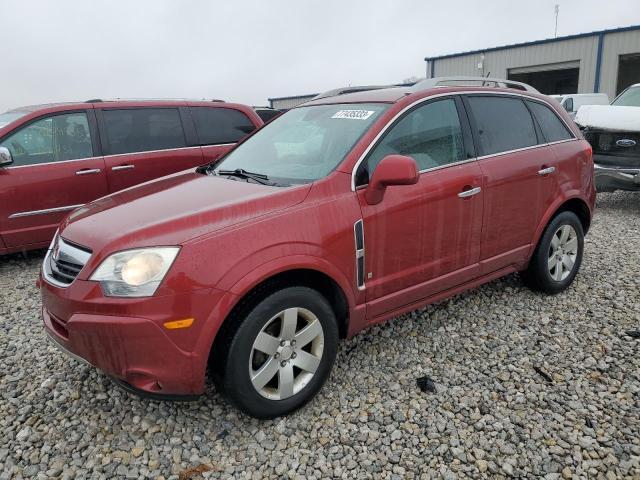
(275, 275)
(573, 204)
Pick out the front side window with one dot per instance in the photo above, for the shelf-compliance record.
(51, 139)
(502, 124)
(217, 125)
(143, 130)
(304, 144)
(552, 127)
(431, 134)
(629, 98)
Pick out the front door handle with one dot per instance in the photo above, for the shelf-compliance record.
(470, 192)
(88, 171)
(546, 171)
(122, 167)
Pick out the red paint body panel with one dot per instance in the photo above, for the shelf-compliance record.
(55, 185)
(423, 243)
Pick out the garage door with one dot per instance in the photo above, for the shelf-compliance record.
(551, 79)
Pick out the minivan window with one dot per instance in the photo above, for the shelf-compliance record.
(502, 124)
(143, 129)
(304, 144)
(552, 127)
(220, 125)
(431, 134)
(51, 139)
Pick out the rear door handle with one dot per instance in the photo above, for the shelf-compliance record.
(546, 171)
(470, 193)
(122, 167)
(88, 171)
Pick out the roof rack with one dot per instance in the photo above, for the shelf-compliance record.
(352, 89)
(98, 100)
(463, 81)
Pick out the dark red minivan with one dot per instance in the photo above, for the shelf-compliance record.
(55, 158)
(339, 214)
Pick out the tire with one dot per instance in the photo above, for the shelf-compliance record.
(556, 259)
(266, 370)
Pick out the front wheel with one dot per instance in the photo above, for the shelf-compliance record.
(281, 353)
(558, 256)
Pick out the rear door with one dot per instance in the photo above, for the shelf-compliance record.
(513, 157)
(219, 128)
(56, 167)
(144, 143)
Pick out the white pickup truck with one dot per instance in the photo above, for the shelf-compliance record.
(614, 133)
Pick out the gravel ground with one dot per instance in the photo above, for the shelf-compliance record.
(526, 386)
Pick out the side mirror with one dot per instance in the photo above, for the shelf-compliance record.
(5, 157)
(392, 170)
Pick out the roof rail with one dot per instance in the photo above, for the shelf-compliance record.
(97, 100)
(353, 89)
(463, 81)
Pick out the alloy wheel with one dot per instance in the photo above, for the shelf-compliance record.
(286, 353)
(563, 252)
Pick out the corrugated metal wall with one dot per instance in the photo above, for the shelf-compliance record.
(616, 44)
(499, 62)
(289, 102)
(583, 49)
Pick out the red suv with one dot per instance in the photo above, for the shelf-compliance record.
(55, 158)
(339, 214)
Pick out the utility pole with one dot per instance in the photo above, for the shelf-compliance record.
(557, 11)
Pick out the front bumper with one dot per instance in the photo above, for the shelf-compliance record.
(125, 338)
(609, 179)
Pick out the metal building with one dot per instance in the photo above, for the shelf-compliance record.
(285, 103)
(607, 61)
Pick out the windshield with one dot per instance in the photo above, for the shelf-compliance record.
(629, 98)
(305, 143)
(8, 117)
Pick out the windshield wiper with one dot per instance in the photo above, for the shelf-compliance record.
(242, 173)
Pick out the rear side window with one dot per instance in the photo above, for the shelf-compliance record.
(502, 123)
(51, 139)
(143, 130)
(216, 125)
(431, 134)
(552, 127)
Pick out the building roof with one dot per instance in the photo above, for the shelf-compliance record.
(292, 97)
(535, 42)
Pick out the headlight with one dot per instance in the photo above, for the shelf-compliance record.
(134, 273)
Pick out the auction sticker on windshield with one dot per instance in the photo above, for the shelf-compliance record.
(353, 114)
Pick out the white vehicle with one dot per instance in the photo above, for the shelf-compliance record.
(614, 133)
(573, 101)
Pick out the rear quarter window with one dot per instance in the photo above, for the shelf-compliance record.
(217, 125)
(502, 124)
(553, 129)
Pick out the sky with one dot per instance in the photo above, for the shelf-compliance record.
(250, 50)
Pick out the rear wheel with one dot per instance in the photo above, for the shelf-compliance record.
(558, 256)
(281, 353)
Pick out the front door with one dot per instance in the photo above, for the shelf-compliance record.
(424, 238)
(54, 170)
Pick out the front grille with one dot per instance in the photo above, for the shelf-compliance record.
(614, 143)
(64, 261)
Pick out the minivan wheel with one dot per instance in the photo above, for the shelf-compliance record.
(281, 353)
(558, 256)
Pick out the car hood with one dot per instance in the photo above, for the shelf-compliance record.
(609, 117)
(173, 210)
